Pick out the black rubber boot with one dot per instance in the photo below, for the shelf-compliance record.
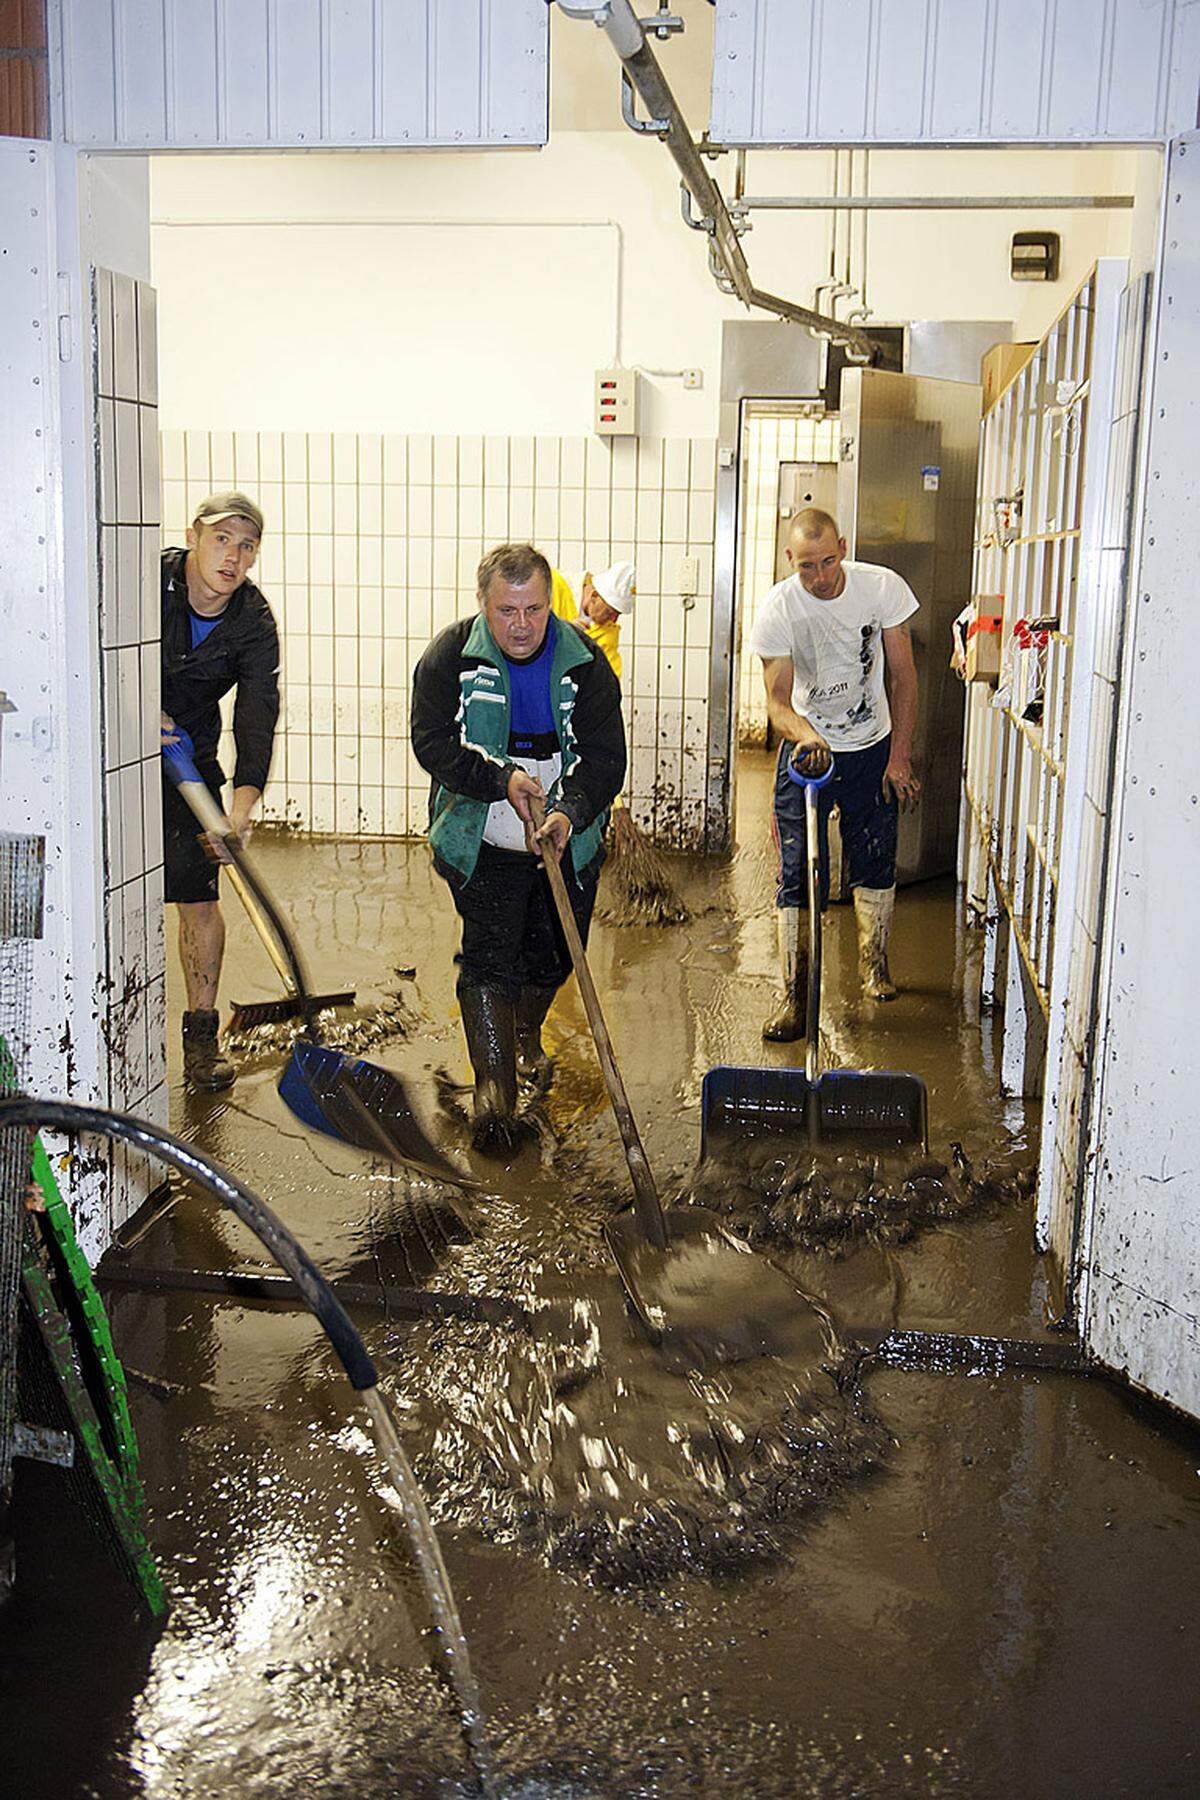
(533, 1065)
(204, 1065)
(490, 1025)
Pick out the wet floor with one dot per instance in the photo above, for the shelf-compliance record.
(955, 1584)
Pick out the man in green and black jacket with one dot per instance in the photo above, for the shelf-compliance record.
(510, 704)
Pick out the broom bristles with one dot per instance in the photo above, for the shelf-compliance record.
(637, 889)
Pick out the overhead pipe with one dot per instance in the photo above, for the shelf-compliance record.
(621, 26)
(836, 203)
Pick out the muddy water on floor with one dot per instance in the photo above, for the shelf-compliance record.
(997, 1597)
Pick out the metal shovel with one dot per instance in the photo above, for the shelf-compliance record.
(695, 1288)
(884, 1106)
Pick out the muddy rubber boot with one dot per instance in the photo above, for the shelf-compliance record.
(787, 1024)
(205, 1067)
(873, 909)
(533, 1064)
(490, 1025)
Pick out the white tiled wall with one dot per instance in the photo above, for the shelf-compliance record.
(134, 1026)
(767, 441)
(370, 548)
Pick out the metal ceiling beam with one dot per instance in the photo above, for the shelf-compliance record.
(620, 24)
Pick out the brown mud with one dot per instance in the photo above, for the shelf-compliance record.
(971, 1584)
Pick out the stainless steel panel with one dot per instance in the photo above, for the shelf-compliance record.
(765, 361)
(951, 349)
(894, 429)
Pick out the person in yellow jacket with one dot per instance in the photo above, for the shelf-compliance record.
(604, 599)
(640, 891)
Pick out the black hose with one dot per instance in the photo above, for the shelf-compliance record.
(272, 1233)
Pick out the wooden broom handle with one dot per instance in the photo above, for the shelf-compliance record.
(645, 1194)
(213, 819)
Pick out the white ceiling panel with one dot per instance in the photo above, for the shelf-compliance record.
(291, 74)
(954, 71)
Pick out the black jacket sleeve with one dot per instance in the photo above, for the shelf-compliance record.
(436, 732)
(596, 779)
(256, 706)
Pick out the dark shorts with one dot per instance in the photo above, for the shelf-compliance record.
(189, 873)
(511, 934)
(868, 823)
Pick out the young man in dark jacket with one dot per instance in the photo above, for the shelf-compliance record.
(218, 633)
(507, 705)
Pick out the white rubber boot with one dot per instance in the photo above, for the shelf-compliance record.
(786, 1025)
(873, 909)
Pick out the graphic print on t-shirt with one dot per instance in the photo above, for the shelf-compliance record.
(836, 650)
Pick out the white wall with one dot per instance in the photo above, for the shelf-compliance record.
(75, 719)
(1142, 1199)
(467, 301)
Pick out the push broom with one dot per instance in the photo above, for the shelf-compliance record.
(342, 1096)
(181, 768)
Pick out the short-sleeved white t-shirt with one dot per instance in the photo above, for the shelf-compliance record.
(836, 647)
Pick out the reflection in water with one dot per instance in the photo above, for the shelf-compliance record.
(584, 1444)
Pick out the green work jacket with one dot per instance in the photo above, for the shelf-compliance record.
(460, 731)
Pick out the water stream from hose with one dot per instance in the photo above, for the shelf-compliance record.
(437, 1585)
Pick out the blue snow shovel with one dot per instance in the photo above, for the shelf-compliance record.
(883, 1107)
(343, 1096)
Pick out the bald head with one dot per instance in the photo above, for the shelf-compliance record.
(811, 522)
(816, 553)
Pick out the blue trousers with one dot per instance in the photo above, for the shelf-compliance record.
(868, 822)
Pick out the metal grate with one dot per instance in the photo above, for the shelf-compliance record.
(22, 865)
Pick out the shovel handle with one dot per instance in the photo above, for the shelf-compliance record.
(261, 909)
(812, 1027)
(649, 1207)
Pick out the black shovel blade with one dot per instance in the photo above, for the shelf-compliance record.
(707, 1299)
(883, 1106)
(363, 1104)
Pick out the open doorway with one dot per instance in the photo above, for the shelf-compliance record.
(787, 461)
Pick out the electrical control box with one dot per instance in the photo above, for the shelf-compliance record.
(618, 402)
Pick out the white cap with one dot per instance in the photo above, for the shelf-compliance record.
(616, 586)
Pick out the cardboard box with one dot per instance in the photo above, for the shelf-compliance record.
(983, 639)
(1000, 365)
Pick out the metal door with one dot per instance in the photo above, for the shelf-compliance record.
(801, 484)
(906, 496)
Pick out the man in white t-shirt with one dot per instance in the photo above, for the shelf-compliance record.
(826, 636)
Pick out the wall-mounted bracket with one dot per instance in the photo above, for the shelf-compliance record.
(646, 127)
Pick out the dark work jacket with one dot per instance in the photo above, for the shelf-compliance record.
(460, 728)
(242, 652)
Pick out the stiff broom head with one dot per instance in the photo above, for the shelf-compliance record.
(637, 890)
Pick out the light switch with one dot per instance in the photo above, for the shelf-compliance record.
(689, 574)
